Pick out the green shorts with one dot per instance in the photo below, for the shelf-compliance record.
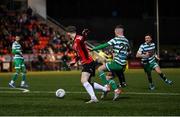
(19, 63)
(114, 66)
(150, 66)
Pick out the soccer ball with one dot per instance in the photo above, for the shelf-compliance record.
(60, 93)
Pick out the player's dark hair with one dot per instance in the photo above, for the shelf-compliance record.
(148, 34)
(71, 29)
(119, 26)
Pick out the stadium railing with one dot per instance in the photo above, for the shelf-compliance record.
(38, 62)
(47, 62)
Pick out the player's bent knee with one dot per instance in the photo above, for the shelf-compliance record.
(102, 67)
(109, 76)
(158, 71)
(99, 69)
(83, 80)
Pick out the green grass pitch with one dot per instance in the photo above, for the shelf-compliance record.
(136, 99)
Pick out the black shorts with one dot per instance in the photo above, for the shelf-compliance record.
(90, 68)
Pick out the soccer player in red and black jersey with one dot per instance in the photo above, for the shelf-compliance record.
(87, 62)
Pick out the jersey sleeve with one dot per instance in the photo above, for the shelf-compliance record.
(80, 39)
(101, 46)
(111, 42)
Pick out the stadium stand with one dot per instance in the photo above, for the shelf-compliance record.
(46, 39)
(37, 37)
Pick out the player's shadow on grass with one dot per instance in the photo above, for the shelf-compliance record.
(118, 99)
(85, 99)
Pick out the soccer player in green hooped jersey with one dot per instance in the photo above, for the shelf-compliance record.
(18, 64)
(120, 47)
(148, 57)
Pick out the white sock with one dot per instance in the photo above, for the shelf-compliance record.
(99, 87)
(89, 89)
(22, 82)
(12, 81)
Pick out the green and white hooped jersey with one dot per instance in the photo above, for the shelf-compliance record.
(16, 50)
(120, 47)
(147, 48)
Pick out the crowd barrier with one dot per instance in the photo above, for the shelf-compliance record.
(38, 62)
(54, 62)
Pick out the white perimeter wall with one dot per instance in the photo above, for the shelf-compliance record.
(39, 7)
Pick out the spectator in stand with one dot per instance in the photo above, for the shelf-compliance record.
(29, 11)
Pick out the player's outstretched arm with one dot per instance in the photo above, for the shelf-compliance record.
(140, 55)
(85, 32)
(157, 57)
(101, 46)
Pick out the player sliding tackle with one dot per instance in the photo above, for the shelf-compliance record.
(120, 47)
(88, 64)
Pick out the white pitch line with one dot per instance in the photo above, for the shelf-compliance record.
(144, 93)
(21, 89)
(69, 92)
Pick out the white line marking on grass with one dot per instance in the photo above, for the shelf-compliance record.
(21, 89)
(69, 92)
(144, 93)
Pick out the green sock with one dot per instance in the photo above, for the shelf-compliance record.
(162, 76)
(103, 77)
(15, 76)
(23, 77)
(113, 84)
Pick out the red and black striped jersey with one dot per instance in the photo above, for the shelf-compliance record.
(80, 47)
